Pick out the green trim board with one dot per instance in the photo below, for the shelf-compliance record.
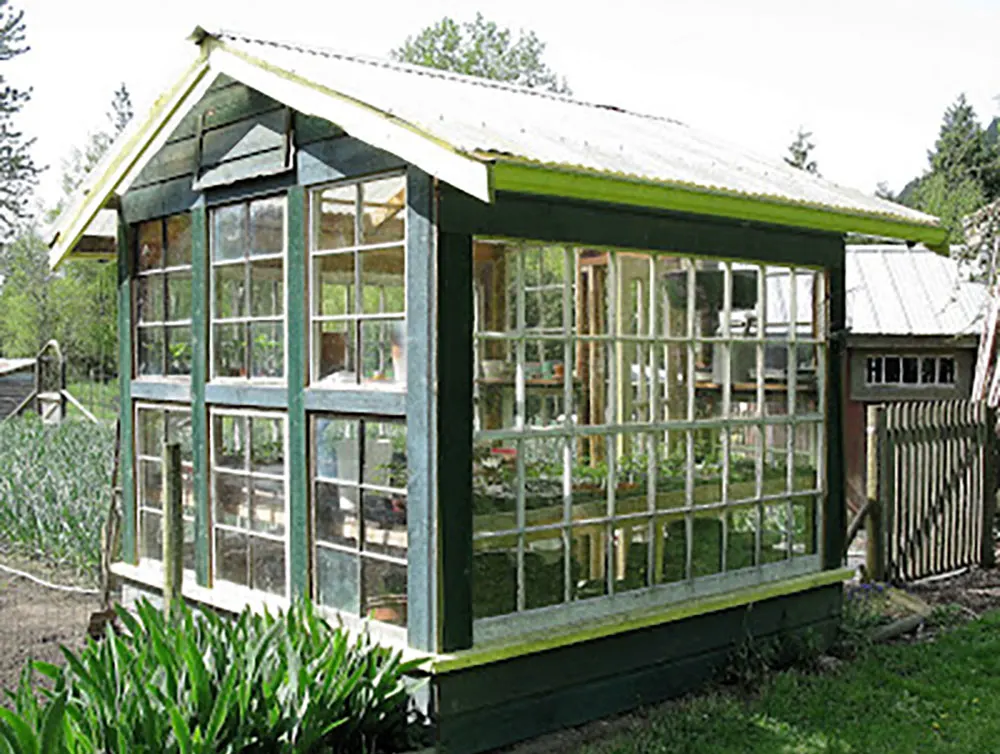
(579, 184)
(246, 395)
(126, 434)
(356, 400)
(162, 390)
(835, 511)
(616, 624)
(199, 409)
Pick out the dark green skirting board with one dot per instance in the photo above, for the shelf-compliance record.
(494, 705)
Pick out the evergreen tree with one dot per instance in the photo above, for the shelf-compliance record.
(800, 151)
(482, 48)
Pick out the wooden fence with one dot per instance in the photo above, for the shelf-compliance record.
(935, 484)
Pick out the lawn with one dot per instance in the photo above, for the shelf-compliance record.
(941, 695)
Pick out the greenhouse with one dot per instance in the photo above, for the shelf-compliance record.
(546, 392)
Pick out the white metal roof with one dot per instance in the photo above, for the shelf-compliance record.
(14, 365)
(895, 290)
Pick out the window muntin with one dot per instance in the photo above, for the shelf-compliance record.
(358, 291)
(637, 421)
(359, 477)
(163, 297)
(910, 370)
(157, 425)
(249, 494)
(248, 290)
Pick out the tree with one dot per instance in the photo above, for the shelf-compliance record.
(18, 172)
(482, 48)
(27, 318)
(800, 150)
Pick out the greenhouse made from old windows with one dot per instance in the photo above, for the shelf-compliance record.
(544, 391)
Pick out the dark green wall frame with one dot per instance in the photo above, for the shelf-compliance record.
(199, 375)
(126, 460)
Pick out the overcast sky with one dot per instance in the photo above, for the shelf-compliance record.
(870, 78)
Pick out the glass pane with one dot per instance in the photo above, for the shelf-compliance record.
(335, 284)
(631, 556)
(384, 587)
(593, 297)
(543, 480)
(267, 349)
(383, 280)
(178, 350)
(873, 374)
(150, 432)
(706, 553)
(778, 290)
(774, 534)
(231, 556)
(268, 512)
(179, 240)
(928, 370)
(335, 352)
(544, 569)
(590, 561)
(187, 491)
(337, 449)
(910, 370)
(232, 499)
(803, 526)
(267, 446)
(336, 507)
(230, 291)
(775, 462)
(150, 536)
(338, 580)
(383, 210)
(229, 438)
(385, 454)
(708, 459)
(743, 284)
(229, 350)
(149, 298)
(635, 388)
(946, 370)
(806, 457)
(178, 296)
(267, 565)
(494, 579)
(671, 563)
(150, 347)
(187, 561)
(892, 369)
(593, 370)
(267, 226)
(179, 431)
(672, 285)
(671, 470)
(494, 487)
(385, 523)
(776, 365)
(741, 539)
(151, 484)
(229, 239)
(336, 217)
(383, 352)
(744, 442)
(267, 288)
(150, 245)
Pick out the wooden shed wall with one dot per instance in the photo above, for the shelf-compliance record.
(14, 388)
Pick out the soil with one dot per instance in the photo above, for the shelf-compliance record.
(976, 590)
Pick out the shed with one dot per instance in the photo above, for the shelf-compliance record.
(17, 384)
(543, 390)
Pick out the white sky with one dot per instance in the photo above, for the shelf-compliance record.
(870, 78)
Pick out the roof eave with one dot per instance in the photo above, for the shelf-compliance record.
(511, 175)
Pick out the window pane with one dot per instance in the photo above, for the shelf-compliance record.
(336, 217)
(803, 526)
(232, 500)
(229, 349)
(336, 506)
(267, 226)
(229, 240)
(806, 457)
(337, 449)
(385, 523)
(151, 536)
(383, 351)
(178, 240)
(928, 370)
(383, 280)
(150, 347)
(335, 352)
(267, 288)
(494, 580)
(910, 370)
(384, 591)
(338, 582)
(149, 298)
(544, 569)
(267, 349)
(384, 210)
(151, 484)
(774, 536)
(267, 446)
(672, 285)
(892, 370)
(631, 556)
(946, 370)
(268, 565)
(229, 438)
(178, 296)
(741, 539)
(231, 561)
(385, 454)
(150, 432)
(230, 291)
(150, 244)
(179, 431)
(178, 350)
(335, 284)
(873, 373)
(268, 512)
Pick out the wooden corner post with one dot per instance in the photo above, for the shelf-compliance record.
(987, 554)
(173, 529)
(875, 560)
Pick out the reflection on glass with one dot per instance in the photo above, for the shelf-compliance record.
(741, 538)
(336, 352)
(267, 349)
(267, 565)
(383, 352)
(383, 210)
(151, 539)
(336, 510)
(774, 533)
(803, 526)
(178, 240)
(231, 495)
(336, 217)
(335, 284)
(267, 288)
(631, 556)
(179, 431)
(544, 565)
(230, 292)
(150, 245)
(149, 298)
(151, 484)
(338, 579)
(150, 346)
(230, 441)
(267, 226)
(178, 347)
(267, 446)
(231, 562)
(229, 240)
(494, 579)
(229, 347)
(150, 432)
(385, 523)
(178, 296)
(268, 507)
(383, 595)
(383, 280)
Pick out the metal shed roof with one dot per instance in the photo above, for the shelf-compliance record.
(896, 290)
(481, 136)
(14, 365)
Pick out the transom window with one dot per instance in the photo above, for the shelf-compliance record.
(163, 297)
(155, 427)
(248, 290)
(358, 273)
(641, 420)
(359, 478)
(249, 474)
(910, 370)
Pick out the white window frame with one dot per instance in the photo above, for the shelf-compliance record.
(920, 384)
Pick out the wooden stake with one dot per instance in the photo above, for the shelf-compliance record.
(173, 528)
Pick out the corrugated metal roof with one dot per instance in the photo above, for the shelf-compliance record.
(896, 290)
(13, 365)
(493, 120)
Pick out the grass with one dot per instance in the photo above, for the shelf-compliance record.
(100, 398)
(934, 696)
(55, 486)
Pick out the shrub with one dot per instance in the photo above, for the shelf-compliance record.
(202, 683)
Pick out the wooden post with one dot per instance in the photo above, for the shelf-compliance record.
(173, 529)
(62, 390)
(987, 555)
(875, 558)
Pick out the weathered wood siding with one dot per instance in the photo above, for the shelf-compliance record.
(14, 388)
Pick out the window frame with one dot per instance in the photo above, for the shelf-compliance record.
(920, 384)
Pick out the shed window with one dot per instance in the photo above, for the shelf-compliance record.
(156, 426)
(358, 273)
(249, 473)
(910, 371)
(359, 477)
(641, 420)
(248, 290)
(163, 297)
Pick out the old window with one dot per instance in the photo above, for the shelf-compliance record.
(910, 371)
(358, 290)
(157, 425)
(248, 290)
(641, 420)
(163, 297)
(359, 476)
(249, 473)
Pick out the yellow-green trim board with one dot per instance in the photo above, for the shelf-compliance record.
(621, 623)
(577, 184)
